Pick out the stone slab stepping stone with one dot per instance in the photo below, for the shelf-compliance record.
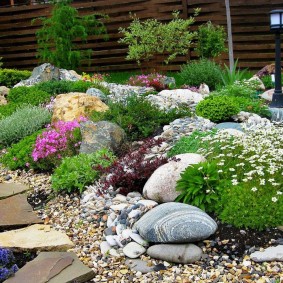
(11, 189)
(269, 254)
(139, 265)
(36, 237)
(16, 211)
(53, 267)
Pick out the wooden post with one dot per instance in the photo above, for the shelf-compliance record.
(185, 9)
(12, 2)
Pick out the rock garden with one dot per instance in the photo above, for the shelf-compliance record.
(127, 177)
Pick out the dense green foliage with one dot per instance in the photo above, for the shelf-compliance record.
(190, 144)
(203, 71)
(217, 108)
(10, 77)
(199, 186)
(8, 109)
(56, 37)
(23, 122)
(76, 172)
(19, 154)
(139, 117)
(29, 95)
(145, 39)
(211, 40)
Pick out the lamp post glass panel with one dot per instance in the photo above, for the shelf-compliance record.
(276, 26)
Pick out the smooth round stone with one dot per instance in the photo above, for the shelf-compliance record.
(139, 265)
(148, 203)
(133, 250)
(138, 239)
(120, 198)
(229, 125)
(175, 223)
(126, 233)
(111, 240)
(177, 253)
(118, 207)
(134, 213)
(104, 247)
(134, 194)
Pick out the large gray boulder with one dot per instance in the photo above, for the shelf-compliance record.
(175, 223)
(161, 186)
(177, 253)
(102, 134)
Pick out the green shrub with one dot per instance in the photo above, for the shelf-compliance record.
(139, 117)
(211, 40)
(199, 186)
(28, 95)
(23, 122)
(19, 154)
(78, 171)
(238, 89)
(267, 81)
(190, 144)
(217, 108)
(8, 109)
(10, 77)
(203, 71)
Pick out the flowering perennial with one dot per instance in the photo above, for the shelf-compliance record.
(7, 268)
(152, 80)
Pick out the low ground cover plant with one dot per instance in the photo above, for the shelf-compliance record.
(10, 77)
(251, 166)
(76, 172)
(8, 109)
(139, 117)
(201, 71)
(59, 140)
(130, 172)
(7, 266)
(23, 122)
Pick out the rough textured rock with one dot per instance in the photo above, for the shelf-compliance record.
(48, 72)
(35, 237)
(161, 186)
(266, 70)
(97, 93)
(133, 250)
(178, 253)
(3, 94)
(16, 211)
(171, 98)
(255, 78)
(53, 267)
(73, 105)
(269, 254)
(267, 95)
(175, 223)
(11, 189)
(102, 134)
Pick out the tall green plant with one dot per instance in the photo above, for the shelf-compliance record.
(211, 40)
(56, 37)
(148, 38)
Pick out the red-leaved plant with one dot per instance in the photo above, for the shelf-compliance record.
(130, 172)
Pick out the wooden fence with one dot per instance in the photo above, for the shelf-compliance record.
(253, 42)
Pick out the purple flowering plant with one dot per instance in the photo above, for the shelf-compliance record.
(154, 80)
(60, 139)
(7, 266)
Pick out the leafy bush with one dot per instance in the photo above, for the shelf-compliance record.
(238, 89)
(251, 165)
(7, 266)
(23, 122)
(29, 95)
(8, 109)
(267, 81)
(151, 37)
(19, 154)
(211, 40)
(138, 117)
(59, 140)
(217, 108)
(199, 186)
(58, 33)
(130, 172)
(230, 77)
(10, 77)
(76, 172)
(190, 144)
(202, 71)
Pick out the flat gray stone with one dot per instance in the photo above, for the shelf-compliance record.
(11, 189)
(133, 250)
(269, 254)
(53, 267)
(229, 125)
(35, 238)
(177, 253)
(175, 223)
(16, 211)
(139, 265)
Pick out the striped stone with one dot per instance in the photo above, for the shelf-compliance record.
(175, 223)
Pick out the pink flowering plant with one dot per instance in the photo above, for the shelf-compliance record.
(154, 80)
(60, 139)
(96, 77)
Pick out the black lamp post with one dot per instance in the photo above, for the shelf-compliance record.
(276, 26)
